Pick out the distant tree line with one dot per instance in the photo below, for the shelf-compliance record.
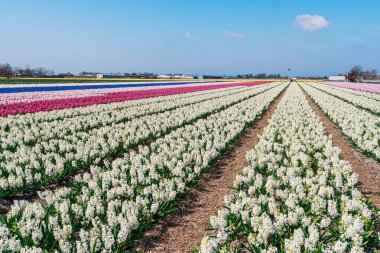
(145, 75)
(367, 74)
(260, 76)
(141, 75)
(8, 71)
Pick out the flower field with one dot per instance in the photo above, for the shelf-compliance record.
(31, 103)
(90, 168)
(361, 126)
(358, 99)
(296, 193)
(35, 154)
(367, 87)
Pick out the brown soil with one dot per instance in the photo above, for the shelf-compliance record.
(367, 168)
(185, 228)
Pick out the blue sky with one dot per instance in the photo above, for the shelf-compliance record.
(191, 36)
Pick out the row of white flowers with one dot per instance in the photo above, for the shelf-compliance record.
(296, 193)
(29, 166)
(23, 130)
(361, 126)
(33, 124)
(346, 94)
(374, 96)
(104, 209)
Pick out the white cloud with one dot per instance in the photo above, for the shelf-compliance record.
(311, 23)
(234, 35)
(188, 36)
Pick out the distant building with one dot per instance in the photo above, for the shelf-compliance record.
(164, 76)
(182, 76)
(337, 78)
(17, 74)
(112, 75)
(88, 76)
(175, 76)
(85, 74)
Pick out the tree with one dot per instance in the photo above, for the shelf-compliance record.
(261, 76)
(366, 73)
(370, 74)
(6, 70)
(28, 72)
(2, 70)
(357, 70)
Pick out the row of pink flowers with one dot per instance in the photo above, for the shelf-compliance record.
(10, 98)
(367, 87)
(56, 104)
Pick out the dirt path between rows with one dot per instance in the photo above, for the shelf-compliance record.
(367, 168)
(185, 228)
